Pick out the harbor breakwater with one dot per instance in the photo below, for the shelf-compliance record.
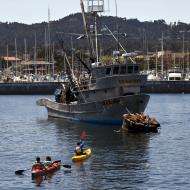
(28, 88)
(48, 88)
(166, 87)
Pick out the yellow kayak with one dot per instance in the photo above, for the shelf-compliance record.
(79, 158)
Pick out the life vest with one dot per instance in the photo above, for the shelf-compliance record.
(37, 166)
(48, 163)
(78, 150)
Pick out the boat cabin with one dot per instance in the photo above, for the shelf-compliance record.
(114, 69)
(175, 74)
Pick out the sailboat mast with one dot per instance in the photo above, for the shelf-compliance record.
(45, 44)
(162, 58)
(25, 52)
(156, 62)
(35, 63)
(53, 61)
(16, 56)
(7, 56)
(49, 37)
(72, 52)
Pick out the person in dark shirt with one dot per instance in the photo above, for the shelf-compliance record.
(38, 165)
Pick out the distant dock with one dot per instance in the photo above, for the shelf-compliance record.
(27, 88)
(48, 88)
(167, 87)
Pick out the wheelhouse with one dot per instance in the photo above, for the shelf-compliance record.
(115, 69)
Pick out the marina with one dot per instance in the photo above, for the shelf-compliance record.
(96, 101)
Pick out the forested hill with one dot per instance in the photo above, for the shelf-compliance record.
(141, 36)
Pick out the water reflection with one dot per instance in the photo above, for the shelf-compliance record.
(39, 179)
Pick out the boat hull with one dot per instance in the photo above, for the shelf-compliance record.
(79, 158)
(56, 166)
(108, 112)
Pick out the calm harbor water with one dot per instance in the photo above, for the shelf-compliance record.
(119, 160)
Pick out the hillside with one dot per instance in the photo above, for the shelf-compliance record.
(140, 35)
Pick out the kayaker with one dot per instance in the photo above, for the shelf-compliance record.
(48, 161)
(79, 148)
(38, 164)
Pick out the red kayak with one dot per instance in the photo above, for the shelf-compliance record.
(55, 166)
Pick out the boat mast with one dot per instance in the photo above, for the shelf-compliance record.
(35, 61)
(162, 58)
(96, 37)
(86, 31)
(49, 39)
(117, 27)
(72, 53)
(95, 7)
(16, 56)
(7, 56)
(156, 62)
(25, 52)
(183, 52)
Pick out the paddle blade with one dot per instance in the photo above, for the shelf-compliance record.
(66, 166)
(57, 161)
(19, 172)
(83, 135)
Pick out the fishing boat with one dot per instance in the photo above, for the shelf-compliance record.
(106, 91)
(82, 157)
(38, 172)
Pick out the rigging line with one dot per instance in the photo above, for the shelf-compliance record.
(116, 39)
(119, 43)
(125, 107)
(73, 76)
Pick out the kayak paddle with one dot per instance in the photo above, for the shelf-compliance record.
(66, 166)
(83, 135)
(20, 172)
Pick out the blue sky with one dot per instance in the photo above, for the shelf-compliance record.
(35, 11)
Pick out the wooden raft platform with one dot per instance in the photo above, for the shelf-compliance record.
(139, 122)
